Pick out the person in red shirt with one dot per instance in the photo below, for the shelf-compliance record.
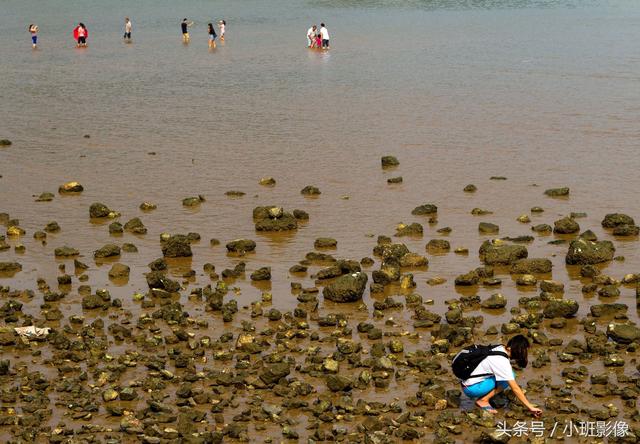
(81, 33)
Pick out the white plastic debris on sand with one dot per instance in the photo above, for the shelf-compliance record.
(32, 332)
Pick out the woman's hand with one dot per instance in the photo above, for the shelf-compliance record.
(535, 411)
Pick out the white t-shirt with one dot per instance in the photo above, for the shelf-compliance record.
(311, 33)
(498, 365)
(324, 34)
(127, 27)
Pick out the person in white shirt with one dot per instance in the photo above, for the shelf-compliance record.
(324, 35)
(311, 35)
(127, 29)
(496, 374)
(223, 25)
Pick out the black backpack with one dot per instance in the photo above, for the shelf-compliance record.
(465, 362)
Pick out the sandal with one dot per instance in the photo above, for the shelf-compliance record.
(487, 408)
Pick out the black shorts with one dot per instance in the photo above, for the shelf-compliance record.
(127, 35)
(325, 43)
(82, 40)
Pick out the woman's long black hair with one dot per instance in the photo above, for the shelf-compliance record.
(519, 347)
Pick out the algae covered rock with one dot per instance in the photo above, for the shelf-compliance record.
(108, 250)
(488, 228)
(496, 300)
(566, 225)
(346, 288)
(119, 271)
(273, 219)
(261, 274)
(557, 192)
(613, 220)
(426, 209)
(99, 210)
(531, 266)
(10, 267)
(274, 372)
(560, 308)
(623, 333)
(325, 242)
(65, 252)
(177, 245)
(310, 190)
(241, 246)
(497, 252)
(193, 201)
(584, 252)
(389, 161)
(135, 226)
(70, 187)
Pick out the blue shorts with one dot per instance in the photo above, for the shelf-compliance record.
(480, 389)
(34, 39)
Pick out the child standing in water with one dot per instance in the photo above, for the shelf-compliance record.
(33, 29)
(212, 36)
(81, 33)
(222, 25)
(127, 30)
(185, 30)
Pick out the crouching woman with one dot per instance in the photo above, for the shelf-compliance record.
(485, 371)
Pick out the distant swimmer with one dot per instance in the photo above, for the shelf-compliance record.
(212, 36)
(222, 24)
(33, 29)
(80, 34)
(185, 25)
(128, 27)
(324, 34)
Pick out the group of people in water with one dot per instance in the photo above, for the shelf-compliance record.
(81, 33)
(211, 30)
(318, 38)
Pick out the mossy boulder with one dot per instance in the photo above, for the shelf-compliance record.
(623, 333)
(177, 245)
(531, 266)
(346, 288)
(98, 210)
(425, 210)
(613, 220)
(389, 161)
(241, 246)
(560, 308)
(566, 225)
(557, 192)
(108, 250)
(584, 252)
(497, 252)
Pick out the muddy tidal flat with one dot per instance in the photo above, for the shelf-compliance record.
(142, 334)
